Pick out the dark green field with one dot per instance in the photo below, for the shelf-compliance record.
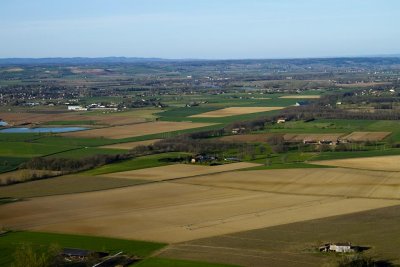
(136, 163)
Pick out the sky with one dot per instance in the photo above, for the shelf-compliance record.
(201, 29)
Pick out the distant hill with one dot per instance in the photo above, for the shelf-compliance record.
(74, 60)
(334, 61)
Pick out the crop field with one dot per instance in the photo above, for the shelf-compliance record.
(80, 118)
(131, 145)
(86, 152)
(209, 205)
(292, 137)
(383, 163)
(25, 149)
(234, 111)
(300, 97)
(67, 184)
(120, 132)
(178, 171)
(366, 136)
(138, 163)
(255, 138)
(349, 183)
(294, 245)
(10, 163)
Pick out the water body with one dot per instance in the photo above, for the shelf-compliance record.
(3, 123)
(43, 130)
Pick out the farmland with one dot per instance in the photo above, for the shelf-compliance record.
(178, 171)
(295, 244)
(206, 206)
(120, 132)
(300, 96)
(203, 163)
(130, 145)
(232, 111)
(383, 163)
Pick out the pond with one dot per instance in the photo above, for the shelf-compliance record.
(43, 130)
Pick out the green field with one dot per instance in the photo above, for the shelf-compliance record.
(10, 163)
(26, 150)
(10, 241)
(87, 152)
(136, 163)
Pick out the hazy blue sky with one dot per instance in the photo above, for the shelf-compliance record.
(199, 28)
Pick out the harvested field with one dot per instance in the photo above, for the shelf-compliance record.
(292, 244)
(178, 171)
(382, 163)
(366, 136)
(67, 184)
(119, 132)
(301, 96)
(131, 145)
(317, 182)
(312, 137)
(234, 111)
(255, 138)
(15, 119)
(207, 206)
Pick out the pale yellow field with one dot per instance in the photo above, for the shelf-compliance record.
(207, 206)
(383, 163)
(317, 182)
(301, 96)
(366, 136)
(178, 171)
(119, 132)
(131, 145)
(234, 111)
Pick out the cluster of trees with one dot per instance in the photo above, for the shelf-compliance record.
(71, 165)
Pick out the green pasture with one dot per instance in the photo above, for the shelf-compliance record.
(87, 152)
(28, 149)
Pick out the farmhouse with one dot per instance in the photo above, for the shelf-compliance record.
(281, 120)
(238, 130)
(74, 254)
(337, 247)
(77, 108)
